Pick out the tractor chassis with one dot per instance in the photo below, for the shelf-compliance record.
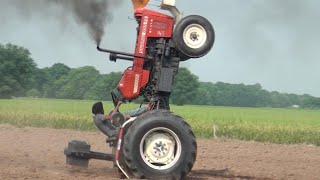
(165, 142)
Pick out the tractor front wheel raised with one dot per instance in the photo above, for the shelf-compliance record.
(194, 37)
(159, 145)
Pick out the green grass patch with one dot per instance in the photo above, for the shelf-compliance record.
(290, 126)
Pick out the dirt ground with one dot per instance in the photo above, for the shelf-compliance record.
(32, 153)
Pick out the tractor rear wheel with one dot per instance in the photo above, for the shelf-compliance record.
(159, 145)
(194, 37)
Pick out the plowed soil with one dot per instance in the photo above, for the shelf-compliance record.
(32, 153)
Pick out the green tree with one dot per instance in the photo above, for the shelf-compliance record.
(48, 79)
(57, 71)
(103, 87)
(77, 83)
(42, 80)
(34, 93)
(206, 94)
(16, 71)
(185, 88)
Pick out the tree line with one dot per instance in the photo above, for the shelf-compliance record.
(20, 77)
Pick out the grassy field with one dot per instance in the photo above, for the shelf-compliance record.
(290, 126)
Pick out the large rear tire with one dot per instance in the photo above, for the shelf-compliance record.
(194, 37)
(159, 145)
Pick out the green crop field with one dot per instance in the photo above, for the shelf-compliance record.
(290, 126)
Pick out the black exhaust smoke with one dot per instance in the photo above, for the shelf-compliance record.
(93, 14)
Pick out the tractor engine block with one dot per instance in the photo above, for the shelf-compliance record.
(164, 67)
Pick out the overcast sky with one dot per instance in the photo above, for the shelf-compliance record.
(271, 42)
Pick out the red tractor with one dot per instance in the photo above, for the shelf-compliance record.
(151, 142)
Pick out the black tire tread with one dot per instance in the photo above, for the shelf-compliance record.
(186, 52)
(160, 113)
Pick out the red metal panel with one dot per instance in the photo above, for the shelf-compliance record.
(152, 25)
(132, 83)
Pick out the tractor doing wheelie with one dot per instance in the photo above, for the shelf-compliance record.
(150, 142)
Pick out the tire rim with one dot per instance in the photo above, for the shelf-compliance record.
(160, 148)
(195, 36)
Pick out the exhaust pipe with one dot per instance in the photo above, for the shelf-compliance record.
(101, 122)
(124, 55)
